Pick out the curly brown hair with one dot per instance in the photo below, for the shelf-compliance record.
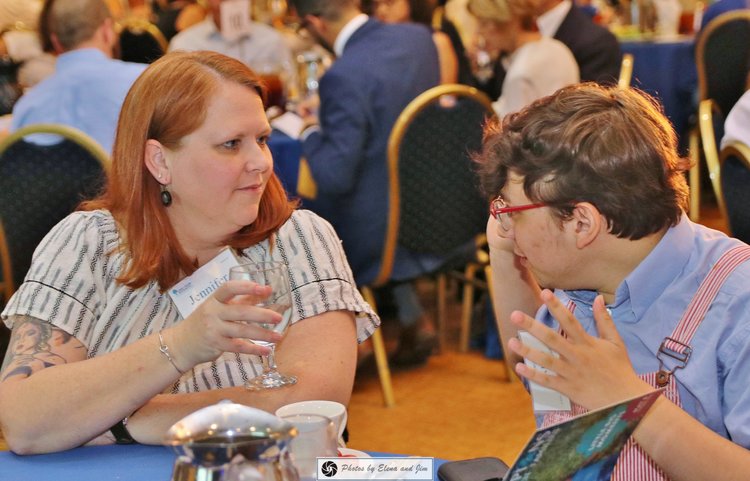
(608, 146)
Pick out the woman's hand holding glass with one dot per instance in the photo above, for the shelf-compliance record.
(224, 323)
(275, 276)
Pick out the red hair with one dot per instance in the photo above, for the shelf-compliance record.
(166, 103)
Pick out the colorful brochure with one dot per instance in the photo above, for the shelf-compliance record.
(584, 448)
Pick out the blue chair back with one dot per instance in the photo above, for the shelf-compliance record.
(41, 184)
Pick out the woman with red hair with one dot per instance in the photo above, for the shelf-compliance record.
(191, 176)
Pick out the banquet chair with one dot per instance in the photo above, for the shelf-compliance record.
(140, 40)
(626, 71)
(734, 188)
(434, 205)
(722, 58)
(40, 184)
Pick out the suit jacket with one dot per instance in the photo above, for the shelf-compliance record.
(382, 68)
(594, 47)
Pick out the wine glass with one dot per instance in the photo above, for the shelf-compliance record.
(272, 274)
(316, 438)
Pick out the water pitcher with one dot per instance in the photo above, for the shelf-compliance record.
(232, 442)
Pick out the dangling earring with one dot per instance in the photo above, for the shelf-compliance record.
(166, 197)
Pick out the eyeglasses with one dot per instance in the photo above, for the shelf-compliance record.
(502, 211)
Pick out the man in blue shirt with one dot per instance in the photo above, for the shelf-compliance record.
(88, 86)
(589, 198)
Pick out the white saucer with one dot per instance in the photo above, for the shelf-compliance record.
(352, 453)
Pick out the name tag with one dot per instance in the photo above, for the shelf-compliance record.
(235, 19)
(190, 292)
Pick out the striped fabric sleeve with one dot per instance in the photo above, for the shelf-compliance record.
(63, 284)
(321, 278)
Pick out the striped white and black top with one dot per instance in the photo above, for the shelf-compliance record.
(72, 285)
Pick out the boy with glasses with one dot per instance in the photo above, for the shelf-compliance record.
(589, 200)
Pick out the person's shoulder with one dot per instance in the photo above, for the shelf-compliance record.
(545, 54)
(38, 103)
(558, 51)
(576, 22)
(99, 221)
(306, 219)
(407, 29)
(377, 39)
(93, 228)
(48, 86)
(124, 69)
(710, 245)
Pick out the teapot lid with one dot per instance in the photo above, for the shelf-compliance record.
(214, 434)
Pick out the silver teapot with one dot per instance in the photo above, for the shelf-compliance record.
(232, 442)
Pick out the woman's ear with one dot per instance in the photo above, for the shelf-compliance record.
(587, 223)
(157, 162)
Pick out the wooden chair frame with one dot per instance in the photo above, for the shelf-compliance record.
(737, 149)
(77, 136)
(706, 110)
(626, 71)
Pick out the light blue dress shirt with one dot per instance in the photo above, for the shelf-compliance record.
(714, 387)
(264, 50)
(86, 92)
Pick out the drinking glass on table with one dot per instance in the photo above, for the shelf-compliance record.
(273, 274)
(316, 438)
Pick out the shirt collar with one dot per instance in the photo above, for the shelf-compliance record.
(663, 264)
(346, 33)
(81, 55)
(647, 282)
(550, 21)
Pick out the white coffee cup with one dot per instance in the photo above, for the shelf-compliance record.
(330, 409)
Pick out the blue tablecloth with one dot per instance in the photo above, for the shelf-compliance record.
(133, 462)
(286, 153)
(666, 70)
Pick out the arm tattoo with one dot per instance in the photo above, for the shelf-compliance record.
(32, 347)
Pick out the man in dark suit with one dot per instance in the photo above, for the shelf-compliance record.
(595, 48)
(378, 70)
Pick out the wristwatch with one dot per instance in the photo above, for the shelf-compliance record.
(121, 434)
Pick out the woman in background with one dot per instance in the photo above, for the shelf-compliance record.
(537, 66)
(421, 11)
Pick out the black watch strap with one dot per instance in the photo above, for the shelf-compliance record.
(121, 434)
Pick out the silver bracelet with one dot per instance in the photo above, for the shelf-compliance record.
(165, 350)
